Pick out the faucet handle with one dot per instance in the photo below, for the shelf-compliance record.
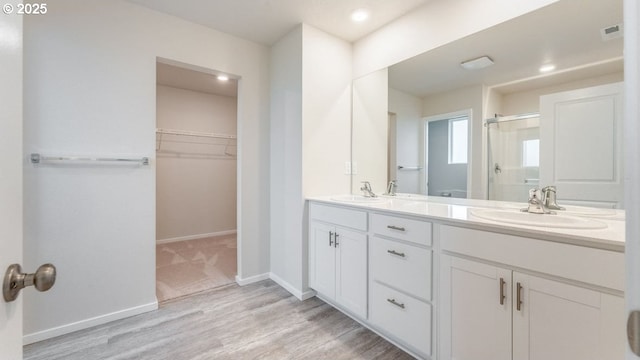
(534, 193)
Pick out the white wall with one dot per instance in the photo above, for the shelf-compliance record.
(310, 122)
(287, 203)
(90, 85)
(195, 178)
(434, 24)
(409, 134)
(529, 101)
(462, 99)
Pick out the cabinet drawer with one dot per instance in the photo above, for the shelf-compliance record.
(400, 228)
(403, 266)
(354, 219)
(401, 316)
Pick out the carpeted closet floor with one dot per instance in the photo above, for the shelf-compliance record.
(190, 266)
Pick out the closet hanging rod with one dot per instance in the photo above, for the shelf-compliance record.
(194, 133)
(37, 159)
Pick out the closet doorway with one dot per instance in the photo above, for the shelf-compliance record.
(196, 187)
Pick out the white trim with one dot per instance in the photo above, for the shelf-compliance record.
(251, 279)
(87, 323)
(292, 289)
(196, 236)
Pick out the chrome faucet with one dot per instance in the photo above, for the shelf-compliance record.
(549, 197)
(366, 189)
(391, 188)
(536, 203)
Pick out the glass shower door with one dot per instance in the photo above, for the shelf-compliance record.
(513, 156)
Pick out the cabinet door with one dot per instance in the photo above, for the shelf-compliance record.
(560, 321)
(475, 321)
(322, 261)
(351, 271)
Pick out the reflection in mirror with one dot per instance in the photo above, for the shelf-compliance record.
(579, 38)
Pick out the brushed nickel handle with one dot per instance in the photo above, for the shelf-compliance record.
(518, 296)
(502, 296)
(335, 239)
(394, 302)
(331, 233)
(393, 252)
(393, 227)
(633, 331)
(14, 280)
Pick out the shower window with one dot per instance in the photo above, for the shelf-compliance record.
(531, 153)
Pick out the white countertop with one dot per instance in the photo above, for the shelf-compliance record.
(459, 212)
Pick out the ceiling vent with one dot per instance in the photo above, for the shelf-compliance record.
(611, 32)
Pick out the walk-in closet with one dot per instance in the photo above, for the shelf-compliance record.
(196, 172)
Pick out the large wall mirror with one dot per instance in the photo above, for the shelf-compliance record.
(543, 108)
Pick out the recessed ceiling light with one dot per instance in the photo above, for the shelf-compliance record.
(360, 15)
(547, 68)
(477, 63)
(223, 77)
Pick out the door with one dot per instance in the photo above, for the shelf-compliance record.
(556, 321)
(11, 176)
(581, 145)
(351, 271)
(322, 259)
(447, 154)
(476, 311)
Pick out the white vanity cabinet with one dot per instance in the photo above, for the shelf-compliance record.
(488, 311)
(338, 256)
(400, 269)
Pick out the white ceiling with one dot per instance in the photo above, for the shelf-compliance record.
(266, 21)
(189, 79)
(566, 33)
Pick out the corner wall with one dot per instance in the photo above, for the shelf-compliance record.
(310, 128)
(90, 88)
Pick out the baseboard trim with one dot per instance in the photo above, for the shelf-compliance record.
(251, 279)
(196, 236)
(301, 295)
(85, 324)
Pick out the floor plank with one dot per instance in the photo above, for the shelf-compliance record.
(257, 321)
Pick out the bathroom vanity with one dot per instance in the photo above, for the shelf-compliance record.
(467, 279)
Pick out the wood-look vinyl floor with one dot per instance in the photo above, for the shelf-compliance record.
(257, 321)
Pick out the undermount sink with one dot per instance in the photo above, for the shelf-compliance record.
(359, 199)
(574, 210)
(539, 220)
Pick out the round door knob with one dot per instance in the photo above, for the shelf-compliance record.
(45, 277)
(14, 280)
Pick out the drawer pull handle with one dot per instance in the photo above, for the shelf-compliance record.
(394, 302)
(330, 240)
(502, 296)
(393, 252)
(393, 227)
(518, 297)
(335, 240)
